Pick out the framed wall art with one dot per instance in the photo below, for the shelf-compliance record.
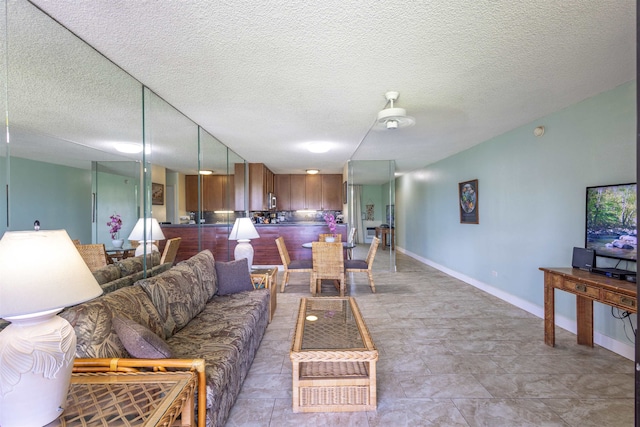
(157, 194)
(468, 199)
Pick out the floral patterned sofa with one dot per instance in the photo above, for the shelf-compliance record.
(128, 271)
(183, 318)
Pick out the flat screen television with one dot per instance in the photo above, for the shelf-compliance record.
(611, 221)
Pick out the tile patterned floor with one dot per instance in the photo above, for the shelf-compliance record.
(450, 355)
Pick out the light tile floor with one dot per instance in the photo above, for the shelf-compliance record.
(450, 355)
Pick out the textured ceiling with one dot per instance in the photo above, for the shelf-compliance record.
(267, 77)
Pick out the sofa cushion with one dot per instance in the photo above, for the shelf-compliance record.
(107, 274)
(203, 265)
(139, 341)
(233, 276)
(177, 295)
(92, 321)
(133, 265)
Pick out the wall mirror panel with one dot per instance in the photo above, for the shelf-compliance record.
(68, 106)
(371, 207)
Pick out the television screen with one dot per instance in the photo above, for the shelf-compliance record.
(611, 220)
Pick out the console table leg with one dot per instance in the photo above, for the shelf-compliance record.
(549, 312)
(584, 320)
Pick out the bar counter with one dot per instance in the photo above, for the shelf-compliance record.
(215, 237)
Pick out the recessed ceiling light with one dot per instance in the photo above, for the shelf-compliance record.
(312, 171)
(319, 147)
(129, 148)
(205, 172)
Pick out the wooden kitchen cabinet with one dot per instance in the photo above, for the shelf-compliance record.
(215, 190)
(331, 192)
(282, 188)
(191, 192)
(297, 192)
(316, 192)
(238, 184)
(260, 183)
(313, 192)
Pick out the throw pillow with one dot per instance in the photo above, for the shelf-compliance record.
(139, 341)
(233, 277)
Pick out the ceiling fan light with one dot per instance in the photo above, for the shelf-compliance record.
(394, 117)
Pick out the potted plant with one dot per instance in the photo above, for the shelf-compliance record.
(331, 223)
(115, 224)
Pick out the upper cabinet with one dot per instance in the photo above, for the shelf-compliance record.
(331, 192)
(215, 192)
(260, 183)
(282, 187)
(314, 192)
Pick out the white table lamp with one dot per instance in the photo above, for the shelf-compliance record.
(243, 231)
(41, 272)
(146, 231)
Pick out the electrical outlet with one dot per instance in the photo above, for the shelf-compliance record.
(494, 273)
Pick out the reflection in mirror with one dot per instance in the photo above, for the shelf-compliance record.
(4, 147)
(60, 103)
(67, 107)
(171, 155)
(371, 207)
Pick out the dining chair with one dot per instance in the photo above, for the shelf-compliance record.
(323, 236)
(296, 266)
(94, 255)
(351, 239)
(170, 250)
(364, 265)
(328, 263)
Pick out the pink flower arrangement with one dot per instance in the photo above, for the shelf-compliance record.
(331, 222)
(115, 224)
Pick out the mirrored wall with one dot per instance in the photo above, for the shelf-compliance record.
(371, 207)
(70, 111)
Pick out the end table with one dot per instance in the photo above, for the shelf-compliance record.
(266, 278)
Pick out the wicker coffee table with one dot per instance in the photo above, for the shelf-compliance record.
(334, 358)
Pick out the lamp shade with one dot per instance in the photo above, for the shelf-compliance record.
(243, 229)
(42, 270)
(146, 229)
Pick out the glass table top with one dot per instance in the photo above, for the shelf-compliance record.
(330, 324)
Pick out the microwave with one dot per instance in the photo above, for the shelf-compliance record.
(271, 201)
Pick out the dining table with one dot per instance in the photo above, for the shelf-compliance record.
(118, 254)
(345, 245)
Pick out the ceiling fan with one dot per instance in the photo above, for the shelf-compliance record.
(393, 117)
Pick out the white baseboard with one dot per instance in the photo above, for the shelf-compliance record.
(621, 348)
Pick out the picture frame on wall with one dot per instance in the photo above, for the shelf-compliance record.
(157, 194)
(468, 198)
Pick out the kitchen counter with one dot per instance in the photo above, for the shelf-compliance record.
(216, 238)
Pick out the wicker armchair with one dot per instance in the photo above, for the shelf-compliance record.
(170, 250)
(364, 265)
(94, 255)
(351, 239)
(296, 266)
(328, 263)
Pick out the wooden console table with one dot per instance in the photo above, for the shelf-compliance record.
(587, 287)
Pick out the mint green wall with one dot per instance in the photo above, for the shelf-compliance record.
(531, 201)
(116, 194)
(58, 196)
(373, 194)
